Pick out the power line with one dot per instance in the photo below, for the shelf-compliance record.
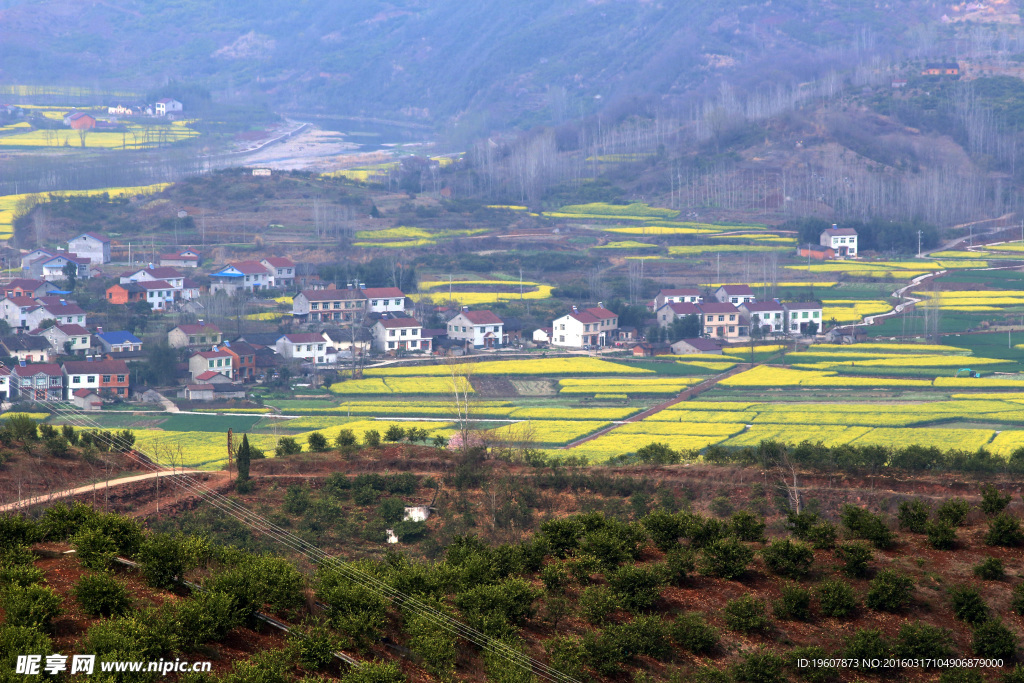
(318, 556)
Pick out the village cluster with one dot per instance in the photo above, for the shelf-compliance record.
(59, 356)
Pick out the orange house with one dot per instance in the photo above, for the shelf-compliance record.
(128, 293)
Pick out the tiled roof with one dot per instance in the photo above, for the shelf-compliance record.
(333, 294)
(382, 292)
(162, 272)
(198, 328)
(105, 366)
(250, 268)
(758, 306)
(717, 307)
(67, 328)
(683, 308)
(482, 317)
(305, 338)
(209, 374)
(737, 289)
(82, 393)
(702, 344)
(155, 284)
(394, 323)
(23, 283)
(31, 369)
(25, 342)
(679, 292)
(21, 300)
(841, 232)
(93, 235)
(63, 309)
(212, 354)
(279, 262)
(119, 337)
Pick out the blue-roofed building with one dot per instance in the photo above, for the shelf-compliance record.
(116, 342)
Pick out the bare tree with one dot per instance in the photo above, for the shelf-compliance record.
(461, 396)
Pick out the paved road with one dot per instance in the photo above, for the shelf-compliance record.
(67, 493)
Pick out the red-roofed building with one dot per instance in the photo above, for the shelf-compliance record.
(244, 365)
(843, 241)
(769, 315)
(67, 338)
(62, 311)
(105, 376)
(483, 329)
(37, 382)
(384, 299)
(92, 246)
(722, 320)
(236, 277)
(803, 317)
(311, 347)
(282, 271)
(586, 327)
(734, 294)
(396, 335)
(216, 359)
(26, 287)
(670, 312)
(676, 296)
(161, 273)
(186, 258)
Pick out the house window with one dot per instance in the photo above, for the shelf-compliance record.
(315, 307)
(120, 378)
(391, 345)
(106, 379)
(76, 379)
(391, 333)
(192, 340)
(211, 364)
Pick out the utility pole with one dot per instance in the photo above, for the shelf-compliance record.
(919, 244)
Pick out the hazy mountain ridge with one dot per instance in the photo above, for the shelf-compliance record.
(435, 59)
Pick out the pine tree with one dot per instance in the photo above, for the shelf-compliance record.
(243, 457)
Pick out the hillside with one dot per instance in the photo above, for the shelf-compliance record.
(489, 62)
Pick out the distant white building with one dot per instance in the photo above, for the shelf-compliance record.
(167, 105)
(312, 347)
(92, 246)
(841, 240)
(585, 327)
(734, 294)
(282, 271)
(399, 334)
(483, 329)
(769, 316)
(801, 315)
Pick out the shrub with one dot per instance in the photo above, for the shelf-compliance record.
(800, 523)
(603, 653)
(1004, 530)
(941, 536)
(16, 530)
(855, 557)
(608, 547)
(164, 558)
(863, 524)
(703, 531)
(658, 453)
(692, 632)
(822, 536)
(747, 614)
(968, 605)
(721, 505)
(596, 604)
(788, 558)
(499, 609)
(992, 639)
(346, 440)
(890, 591)
(286, 445)
(810, 672)
(314, 647)
(296, 499)
(356, 611)
(726, 558)
(205, 617)
(643, 636)
(762, 666)
(836, 598)
(103, 595)
(21, 640)
(866, 644)
(636, 587)
(14, 574)
(664, 529)
(59, 522)
(95, 550)
(919, 640)
(707, 674)
(555, 577)
(794, 603)
(1017, 599)
(317, 442)
(993, 502)
(989, 569)
(913, 515)
(953, 511)
(1014, 676)
(566, 655)
(32, 606)
(374, 672)
(391, 510)
(679, 563)
(57, 447)
(746, 526)
(371, 438)
(394, 433)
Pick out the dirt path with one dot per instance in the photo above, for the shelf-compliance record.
(80, 490)
(686, 395)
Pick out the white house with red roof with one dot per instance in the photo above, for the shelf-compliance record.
(670, 312)
(734, 294)
(153, 274)
(483, 329)
(186, 258)
(236, 277)
(722, 320)
(770, 316)
(803, 317)
(398, 334)
(676, 296)
(282, 271)
(321, 305)
(15, 310)
(158, 294)
(843, 241)
(311, 347)
(62, 311)
(384, 299)
(216, 359)
(585, 327)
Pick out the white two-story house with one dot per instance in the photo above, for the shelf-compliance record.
(676, 296)
(235, 277)
(67, 338)
(483, 329)
(803, 317)
(398, 334)
(769, 316)
(282, 271)
(734, 294)
(843, 241)
(312, 347)
(216, 359)
(585, 327)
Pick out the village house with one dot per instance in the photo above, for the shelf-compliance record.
(216, 359)
(27, 348)
(244, 363)
(803, 317)
(67, 339)
(78, 120)
(236, 277)
(685, 347)
(5, 383)
(167, 106)
(61, 311)
(190, 290)
(118, 342)
(734, 294)
(842, 241)
(26, 287)
(158, 294)
(35, 255)
(322, 305)
(650, 349)
(86, 399)
(282, 271)
(128, 293)
(818, 253)
(483, 329)
(125, 110)
(941, 69)
(37, 382)
(15, 309)
(670, 312)
(105, 376)
(384, 299)
(194, 334)
(161, 273)
(311, 347)
(769, 316)
(398, 334)
(51, 268)
(89, 245)
(722, 320)
(587, 327)
(676, 296)
(186, 258)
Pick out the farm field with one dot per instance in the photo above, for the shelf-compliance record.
(9, 204)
